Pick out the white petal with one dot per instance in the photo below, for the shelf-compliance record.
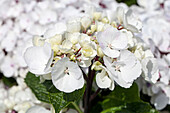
(120, 14)
(128, 58)
(111, 52)
(85, 63)
(37, 58)
(112, 40)
(37, 109)
(160, 101)
(120, 41)
(120, 81)
(67, 82)
(150, 69)
(130, 74)
(102, 80)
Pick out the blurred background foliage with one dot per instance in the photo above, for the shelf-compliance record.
(128, 2)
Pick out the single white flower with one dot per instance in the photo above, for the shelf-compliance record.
(47, 16)
(59, 28)
(73, 26)
(131, 22)
(111, 41)
(39, 59)
(8, 67)
(36, 29)
(125, 69)
(149, 5)
(85, 22)
(25, 21)
(67, 76)
(66, 46)
(73, 37)
(9, 42)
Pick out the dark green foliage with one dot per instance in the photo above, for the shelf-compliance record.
(46, 92)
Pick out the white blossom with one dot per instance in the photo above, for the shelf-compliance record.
(39, 59)
(67, 76)
(125, 69)
(111, 41)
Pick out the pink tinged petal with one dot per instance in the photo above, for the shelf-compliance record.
(111, 52)
(112, 40)
(8, 67)
(120, 41)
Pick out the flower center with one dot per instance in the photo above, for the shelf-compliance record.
(117, 68)
(110, 46)
(66, 71)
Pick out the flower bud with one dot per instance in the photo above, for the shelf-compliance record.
(38, 41)
(99, 51)
(97, 15)
(85, 21)
(96, 66)
(93, 28)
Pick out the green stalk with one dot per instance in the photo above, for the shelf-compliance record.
(77, 107)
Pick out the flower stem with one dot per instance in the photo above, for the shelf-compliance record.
(87, 103)
(95, 94)
(77, 107)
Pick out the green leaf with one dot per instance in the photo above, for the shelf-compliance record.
(47, 92)
(128, 2)
(134, 107)
(121, 96)
(129, 95)
(9, 82)
(37, 88)
(123, 100)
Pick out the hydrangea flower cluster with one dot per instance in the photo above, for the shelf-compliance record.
(17, 98)
(71, 38)
(156, 34)
(103, 41)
